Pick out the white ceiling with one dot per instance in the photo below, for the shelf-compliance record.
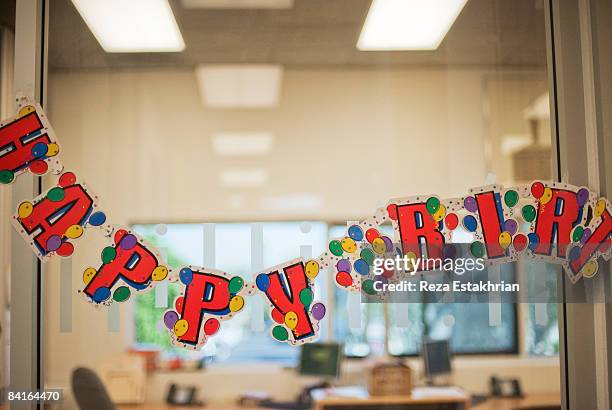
(311, 33)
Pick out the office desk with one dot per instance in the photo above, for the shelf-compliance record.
(422, 398)
(382, 402)
(529, 402)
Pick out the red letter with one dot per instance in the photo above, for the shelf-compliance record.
(52, 218)
(417, 228)
(491, 219)
(207, 293)
(555, 221)
(599, 239)
(133, 263)
(284, 294)
(17, 140)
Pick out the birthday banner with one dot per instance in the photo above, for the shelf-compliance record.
(548, 221)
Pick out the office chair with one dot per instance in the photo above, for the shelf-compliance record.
(89, 391)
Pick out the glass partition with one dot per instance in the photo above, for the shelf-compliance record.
(256, 143)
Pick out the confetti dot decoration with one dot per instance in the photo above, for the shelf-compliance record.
(348, 245)
(574, 253)
(235, 285)
(511, 198)
(53, 243)
(519, 242)
(56, 194)
(590, 269)
(101, 295)
(25, 209)
(537, 189)
(477, 249)
(306, 296)
(379, 246)
(529, 213)
(159, 273)
(236, 303)
(362, 267)
(97, 218)
(263, 282)
(38, 167)
(318, 311)
(469, 203)
(546, 196)
(470, 223)
(186, 276)
(128, 242)
(344, 279)
(291, 320)
(6, 176)
(600, 207)
(67, 179)
(39, 150)
(372, 234)
(180, 327)
(108, 254)
(52, 149)
(74, 232)
(280, 333)
(432, 205)
(355, 232)
(88, 275)
(170, 319)
(451, 221)
(312, 269)
(335, 247)
(121, 294)
(211, 326)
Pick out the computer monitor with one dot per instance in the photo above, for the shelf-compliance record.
(436, 355)
(321, 359)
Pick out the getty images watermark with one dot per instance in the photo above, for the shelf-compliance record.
(457, 276)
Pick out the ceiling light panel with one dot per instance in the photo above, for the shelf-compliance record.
(242, 143)
(243, 177)
(408, 24)
(132, 26)
(240, 86)
(237, 4)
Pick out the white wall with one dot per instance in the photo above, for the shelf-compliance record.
(353, 138)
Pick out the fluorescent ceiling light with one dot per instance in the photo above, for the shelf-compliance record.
(243, 177)
(240, 86)
(292, 203)
(242, 143)
(237, 4)
(132, 26)
(408, 24)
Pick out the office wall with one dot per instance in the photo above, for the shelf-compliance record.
(141, 139)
